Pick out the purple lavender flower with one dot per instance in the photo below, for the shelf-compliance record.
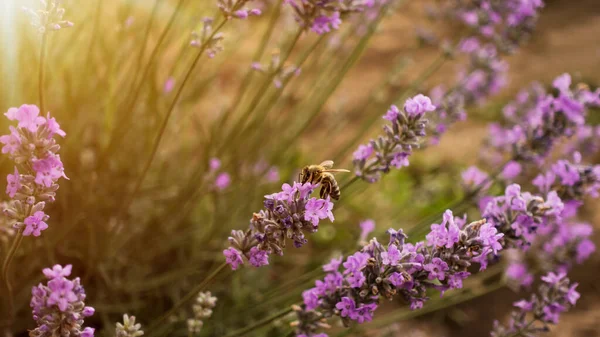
(475, 179)
(222, 181)
(394, 147)
(366, 227)
(518, 215)
(484, 76)
(537, 120)
(519, 274)
(507, 23)
(235, 9)
(323, 16)
(58, 307)
(555, 296)
(379, 271)
(288, 214)
(38, 167)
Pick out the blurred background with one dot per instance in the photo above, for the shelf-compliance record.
(144, 216)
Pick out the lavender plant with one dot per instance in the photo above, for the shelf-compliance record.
(147, 117)
(58, 307)
(287, 215)
(554, 296)
(402, 268)
(129, 328)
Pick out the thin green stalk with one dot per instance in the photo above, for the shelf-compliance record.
(163, 127)
(98, 11)
(250, 73)
(5, 267)
(260, 118)
(260, 324)
(191, 294)
(42, 72)
(140, 57)
(124, 123)
(259, 95)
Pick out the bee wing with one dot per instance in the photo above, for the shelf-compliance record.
(327, 164)
(336, 170)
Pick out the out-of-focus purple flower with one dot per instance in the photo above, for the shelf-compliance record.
(511, 170)
(222, 181)
(363, 152)
(169, 85)
(475, 179)
(323, 16)
(214, 164)
(366, 227)
(553, 297)
(517, 272)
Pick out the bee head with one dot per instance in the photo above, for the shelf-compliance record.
(304, 174)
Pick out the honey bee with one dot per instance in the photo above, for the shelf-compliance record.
(322, 174)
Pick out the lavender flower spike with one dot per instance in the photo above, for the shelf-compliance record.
(288, 214)
(555, 296)
(34, 182)
(205, 302)
(519, 215)
(58, 306)
(129, 328)
(323, 16)
(382, 271)
(395, 146)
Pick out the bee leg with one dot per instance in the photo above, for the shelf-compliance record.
(324, 191)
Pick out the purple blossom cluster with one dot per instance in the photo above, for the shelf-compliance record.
(537, 120)
(33, 148)
(572, 180)
(280, 72)
(383, 271)
(508, 23)
(58, 306)
(484, 76)
(288, 214)
(564, 242)
(205, 38)
(393, 148)
(519, 214)
(554, 296)
(323, 16)
(237, 9)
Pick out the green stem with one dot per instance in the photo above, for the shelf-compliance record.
(5, 267)
(194, 292)
(261, 323)
(41, 73)
(247, 114)
(124, 122)
(165, 122)
(250, 73)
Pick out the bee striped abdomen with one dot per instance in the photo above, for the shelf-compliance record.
(330, 187)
